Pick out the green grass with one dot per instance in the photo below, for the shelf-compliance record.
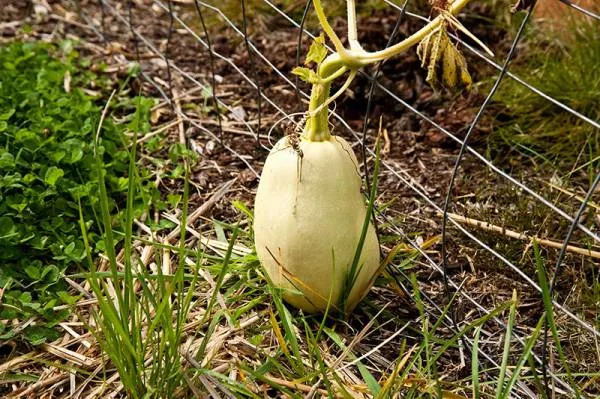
(132, 324)
(550, 317)
(565, 67)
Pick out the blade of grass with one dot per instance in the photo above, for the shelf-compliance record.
(527, 351)
(312, 342)
(285, 318)
(424, 330)
(370, 380)
(149, 365)
(355, 268)
(507, 345)
(549, 309)
(115, 324)
(475, 363)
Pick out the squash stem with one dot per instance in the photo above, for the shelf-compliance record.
(317, 124)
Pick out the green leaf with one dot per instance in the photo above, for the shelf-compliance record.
(25, 297)
(48, 175)
(50, 274)
(75, 251)
(50, 304)
(33, 271)
(166, 224)
(37, 335)
(29, 178)
(67, 298)
(7, 161)
(17, 202)
(57, 156)
(173, 199)
(306, 74)
(239, 205)
(52, 175)
(121, 183)
(4, 116)
(7, 228)
(317, 51)
(39, 242)
(8, 335)
(140, 123)
(74, 148)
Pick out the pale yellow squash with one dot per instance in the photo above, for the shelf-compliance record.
(308, 217)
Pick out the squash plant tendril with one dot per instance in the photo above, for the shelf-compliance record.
(404, 178)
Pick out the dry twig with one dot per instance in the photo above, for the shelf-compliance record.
(521, 236)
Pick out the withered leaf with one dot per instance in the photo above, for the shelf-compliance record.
(446, 67)
(430, 51)
(455, 71)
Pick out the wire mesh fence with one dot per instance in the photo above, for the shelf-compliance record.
(215, 29)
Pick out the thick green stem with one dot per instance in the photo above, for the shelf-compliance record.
(317, 124)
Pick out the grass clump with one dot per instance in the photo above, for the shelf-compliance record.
(141, 328)
(48, 174)
(565, 69)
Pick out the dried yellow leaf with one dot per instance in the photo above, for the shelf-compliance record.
(449, 76)
(456, 72)
(446, 67)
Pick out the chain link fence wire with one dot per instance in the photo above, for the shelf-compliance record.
(271, 109)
